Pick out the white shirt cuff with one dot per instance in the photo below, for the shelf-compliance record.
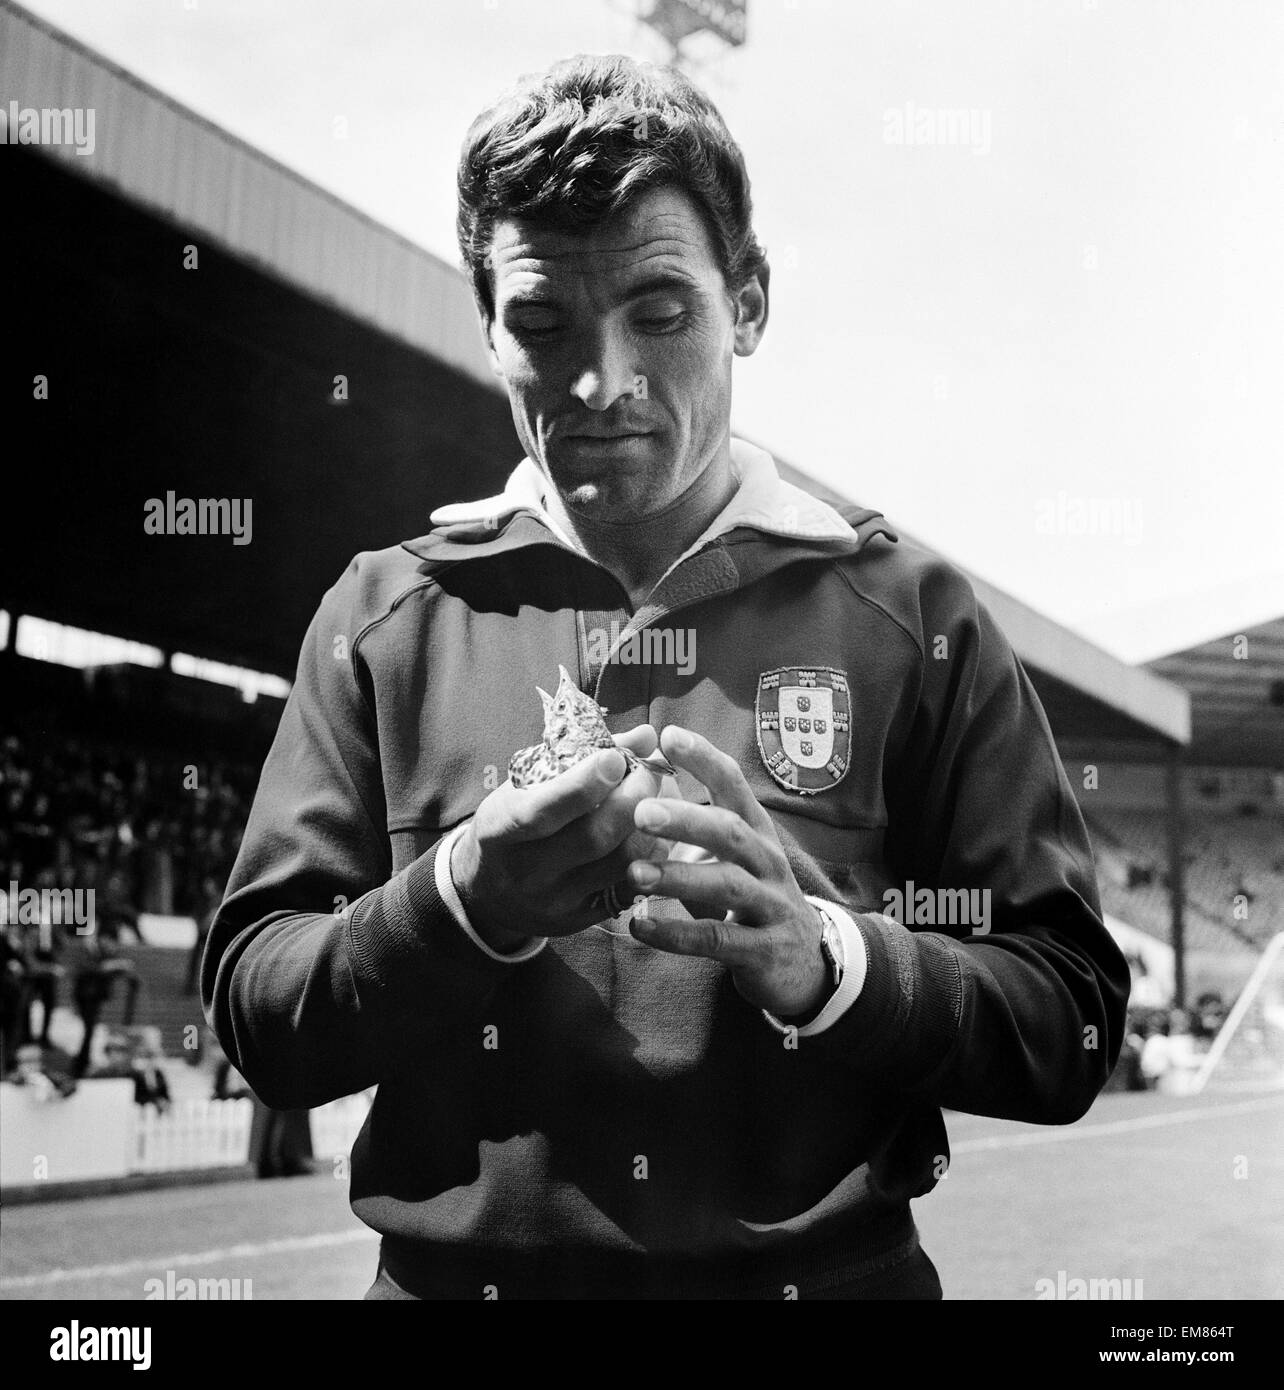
(855, 962)
(450, 896)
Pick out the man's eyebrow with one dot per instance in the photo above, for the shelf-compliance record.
(531, 299)
(657, 283)
(660, 281)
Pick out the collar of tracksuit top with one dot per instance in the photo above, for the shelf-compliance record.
(800, 525)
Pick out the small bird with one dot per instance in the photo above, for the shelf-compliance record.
(574, 729)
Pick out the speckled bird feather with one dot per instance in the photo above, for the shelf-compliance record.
(574, 729)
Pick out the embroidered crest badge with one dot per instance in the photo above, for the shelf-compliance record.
(804, 718)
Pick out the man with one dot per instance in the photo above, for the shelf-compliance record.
(732, 1088)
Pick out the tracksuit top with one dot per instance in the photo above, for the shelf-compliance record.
(606, 1119)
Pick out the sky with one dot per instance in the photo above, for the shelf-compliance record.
(1027, 295)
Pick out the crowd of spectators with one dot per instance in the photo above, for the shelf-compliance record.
(146, 833)
(1162, 1042)
(149, 833)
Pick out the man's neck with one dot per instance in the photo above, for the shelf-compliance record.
(639, 552)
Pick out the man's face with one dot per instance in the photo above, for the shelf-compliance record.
(616, 349)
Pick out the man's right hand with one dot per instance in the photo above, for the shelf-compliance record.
(534, 861)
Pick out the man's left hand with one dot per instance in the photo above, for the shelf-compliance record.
(771, 938)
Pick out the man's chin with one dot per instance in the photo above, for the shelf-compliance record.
(603, 502)
(605, 499)
(585, 499)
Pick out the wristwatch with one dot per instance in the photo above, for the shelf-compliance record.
(831, 945)
(831, 948)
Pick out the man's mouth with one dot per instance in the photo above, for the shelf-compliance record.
(607, 434)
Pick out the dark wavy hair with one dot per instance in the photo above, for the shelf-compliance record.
(573, 146)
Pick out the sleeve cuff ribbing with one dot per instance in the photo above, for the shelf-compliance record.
(403, 937)
(450, 896)
(906, 1021)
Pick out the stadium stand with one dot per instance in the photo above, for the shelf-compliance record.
(1234, 884)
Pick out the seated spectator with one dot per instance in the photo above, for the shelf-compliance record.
(42, 1082)
(1170, 1055)
(1210, 1014)
(1183, 1054)
(151, 1085)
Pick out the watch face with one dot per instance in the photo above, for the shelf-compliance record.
(831, 943)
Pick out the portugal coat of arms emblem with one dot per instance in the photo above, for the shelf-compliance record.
(804, 718)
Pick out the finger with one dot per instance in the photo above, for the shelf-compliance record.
(606, 830)
(599, 831)
(717, 771)
(613, 867)
(707, 890)
(533, 813)
(734, 945)
(722, 832)
(650, 780)
(642, 740)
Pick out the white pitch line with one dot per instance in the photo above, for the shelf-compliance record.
(250, 1251)
(1061, 1136)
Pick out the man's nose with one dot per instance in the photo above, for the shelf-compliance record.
(605, 373)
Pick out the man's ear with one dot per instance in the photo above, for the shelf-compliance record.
(752, 305)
